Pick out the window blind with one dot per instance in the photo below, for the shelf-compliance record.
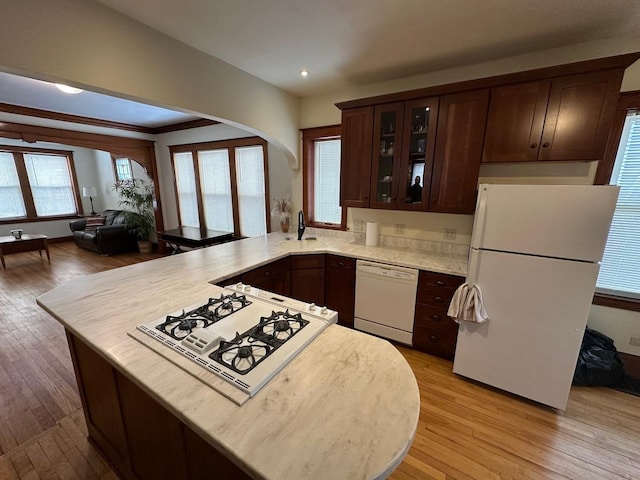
(51, 185)
(186, 186)
(326, 181)
(251, 191)
(11, 202)
(215, 182)
(620, 269)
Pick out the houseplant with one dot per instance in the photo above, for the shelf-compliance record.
(282, 211)
(136, 197)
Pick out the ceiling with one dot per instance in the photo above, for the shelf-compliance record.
(342, 43)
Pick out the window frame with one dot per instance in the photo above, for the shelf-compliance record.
(114, 159)
(627, 101)
(25, 187)
(309, 137)
(230, 145)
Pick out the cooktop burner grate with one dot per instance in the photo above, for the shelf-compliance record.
(247, 350)
(180, 326)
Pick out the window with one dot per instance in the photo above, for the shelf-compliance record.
(223, 185)
(321, 164)
(122, 168)
(620, 270)
(36, 183)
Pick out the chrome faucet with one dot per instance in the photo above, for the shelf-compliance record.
(301, 225)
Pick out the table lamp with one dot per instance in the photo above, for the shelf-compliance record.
(90, 192)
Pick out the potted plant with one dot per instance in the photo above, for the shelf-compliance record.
(282, 211)
(136, 197)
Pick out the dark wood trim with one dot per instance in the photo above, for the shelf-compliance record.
(227, 143)
(626, 101)
(309, 137)
(235, 202)
(59, 239)
(608, 63)
(631, 364)
(613, 301)
(200, 122)
(267, 196)
(96, 122)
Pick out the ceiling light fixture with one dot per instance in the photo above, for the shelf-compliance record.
(304, 73)
(68, 89)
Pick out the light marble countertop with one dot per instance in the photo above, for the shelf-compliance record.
(346, 407)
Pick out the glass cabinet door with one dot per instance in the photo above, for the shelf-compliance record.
(417, 154)
(386, 153)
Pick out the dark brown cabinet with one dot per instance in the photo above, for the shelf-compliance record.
(307, 278)
(565, 118)
(355, 160)
(274, 277)
(387, 129)
(458, 152)
(433, 331)
(130, 428)
(340, 284)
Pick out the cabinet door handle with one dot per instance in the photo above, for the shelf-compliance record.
(438, 299)
(534, 145)
(436, 318)
(440, 283)
(545, 144)
(266, 274)
(434, 339)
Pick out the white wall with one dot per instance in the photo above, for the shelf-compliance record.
(88, 45)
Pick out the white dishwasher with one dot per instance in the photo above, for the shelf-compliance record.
(385, 300)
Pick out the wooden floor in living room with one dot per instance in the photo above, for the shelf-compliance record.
(466, 431)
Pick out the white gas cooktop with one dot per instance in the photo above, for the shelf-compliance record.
(243, 335)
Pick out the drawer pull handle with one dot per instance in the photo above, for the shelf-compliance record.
(534, 145)
(438, 299)
(266, 274)
(440, 283)
(436, 318)
(434, 339)
(341, 264)
(545, 144)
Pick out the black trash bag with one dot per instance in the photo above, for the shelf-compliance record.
(598, 361)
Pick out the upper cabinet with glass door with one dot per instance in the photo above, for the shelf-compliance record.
(416, 163)
(387, 130)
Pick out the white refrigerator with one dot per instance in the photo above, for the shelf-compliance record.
(535, 253)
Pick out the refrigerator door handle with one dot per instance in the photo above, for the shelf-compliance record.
(479, 220)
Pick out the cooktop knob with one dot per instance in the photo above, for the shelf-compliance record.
(239, 286)
(247, 288)
(324, 310)
(312, 306)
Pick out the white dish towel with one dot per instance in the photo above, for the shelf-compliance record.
(466, 305)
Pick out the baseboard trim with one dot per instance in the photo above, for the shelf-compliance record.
(60, 239)
(631, 364)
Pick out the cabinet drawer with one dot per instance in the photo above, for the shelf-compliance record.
(435, 318)
(299, 262)
(337, 262)
(437, 289)
(435, 342)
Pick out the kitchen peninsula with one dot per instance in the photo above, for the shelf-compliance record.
(346, 407)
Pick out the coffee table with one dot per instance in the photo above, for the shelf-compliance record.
(193, 237)
(29, 242)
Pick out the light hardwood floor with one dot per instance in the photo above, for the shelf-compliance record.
(466, 431)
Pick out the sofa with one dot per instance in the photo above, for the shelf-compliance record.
(112, 237)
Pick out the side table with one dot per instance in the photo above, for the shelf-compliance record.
(27, 243)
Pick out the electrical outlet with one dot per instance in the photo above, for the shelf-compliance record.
(449, 233)
(635, 341)
(399, 228)
(358, 225)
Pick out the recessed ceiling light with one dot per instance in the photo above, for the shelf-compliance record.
(304, 73)
(68, 89)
